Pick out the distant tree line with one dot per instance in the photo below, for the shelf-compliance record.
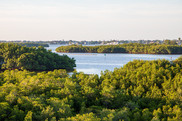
(28, 44)
(32, 44)
(86, 42)
(13, 56)
(139, 91)
(134, 48)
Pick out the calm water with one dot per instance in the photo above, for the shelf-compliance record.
(94, 63)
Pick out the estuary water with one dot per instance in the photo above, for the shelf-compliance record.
(94, 63)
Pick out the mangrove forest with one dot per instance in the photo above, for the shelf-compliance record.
(134, 48)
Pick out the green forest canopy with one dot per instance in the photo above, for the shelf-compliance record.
(31, 44)
(124, 48)
(28, 44)
(13, 56)
(139, 91)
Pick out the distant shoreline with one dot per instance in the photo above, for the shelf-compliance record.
(118, 53)
(155, 49)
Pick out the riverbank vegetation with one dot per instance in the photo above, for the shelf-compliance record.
(134, 48)
(139, 91)
(13, 56)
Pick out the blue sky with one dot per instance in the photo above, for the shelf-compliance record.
(90, 19)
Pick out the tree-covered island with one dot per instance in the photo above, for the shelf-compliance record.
(134, 48)
(13, 56)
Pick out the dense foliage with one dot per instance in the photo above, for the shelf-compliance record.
(14, 56)
(29, 44)
(139, 91)
(33, 44)
(124, 48)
